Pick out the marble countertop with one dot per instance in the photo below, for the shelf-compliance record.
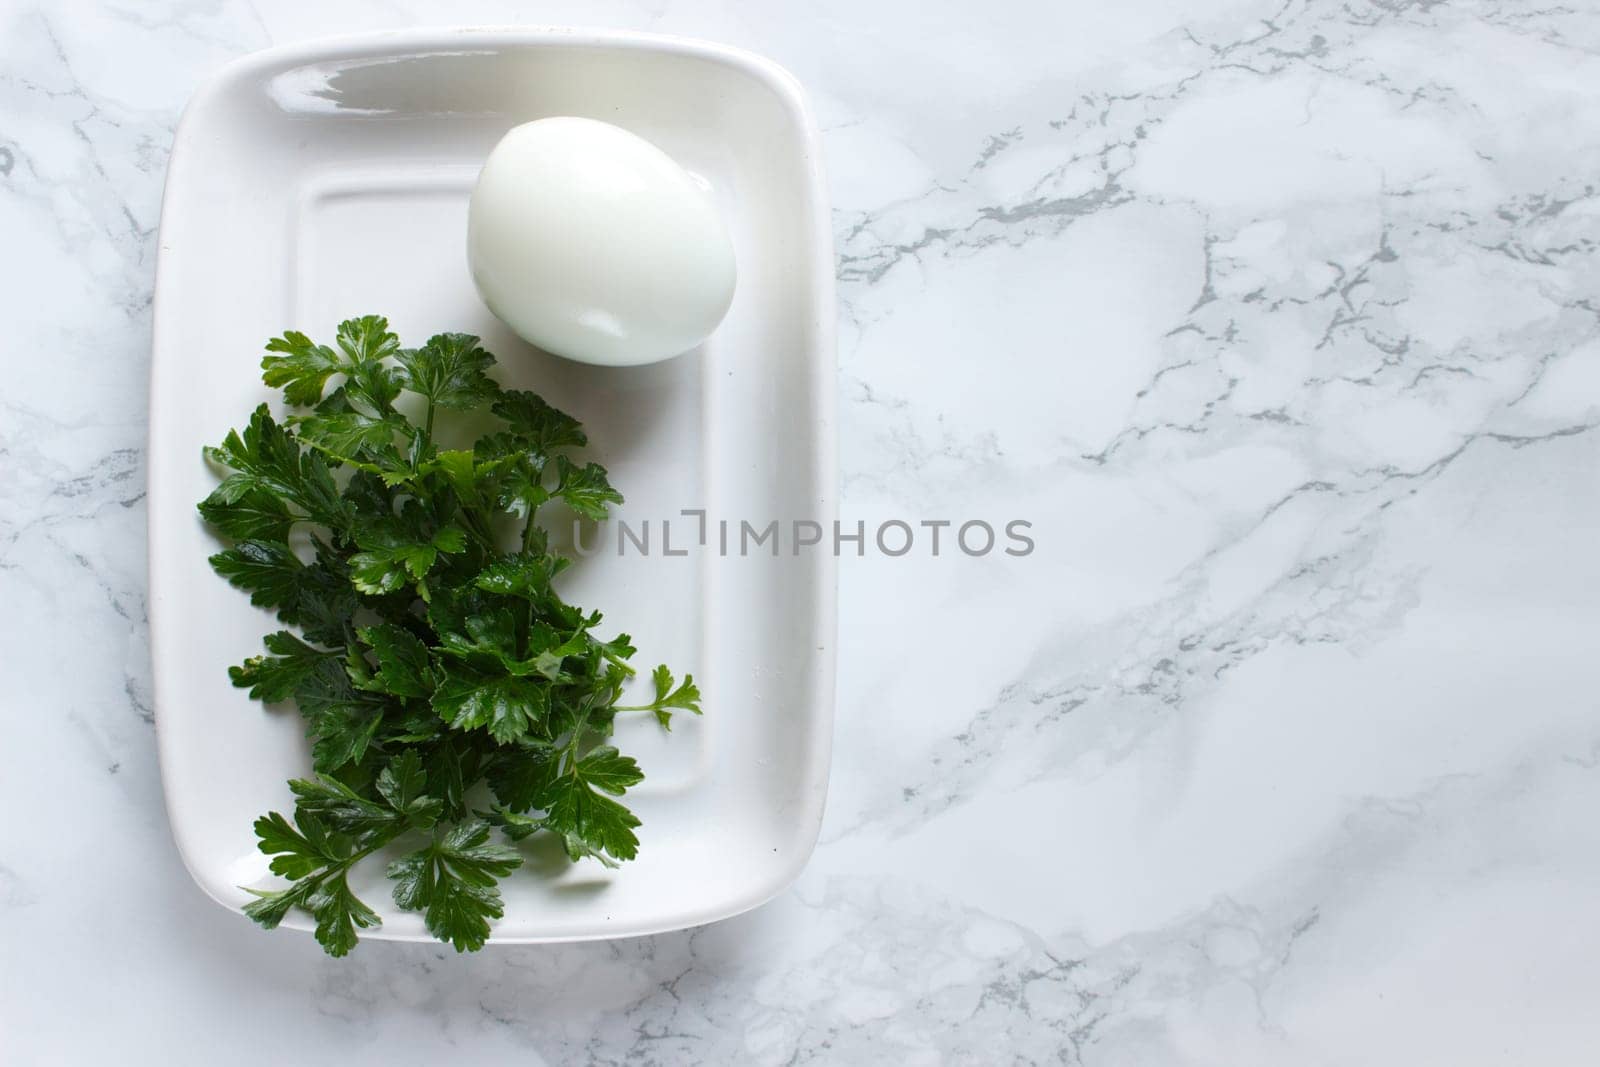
(1280, 321)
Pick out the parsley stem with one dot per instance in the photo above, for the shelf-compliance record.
(479, 527)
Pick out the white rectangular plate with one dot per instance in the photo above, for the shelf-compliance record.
(320, 182)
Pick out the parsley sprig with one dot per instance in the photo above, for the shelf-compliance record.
(447, 689)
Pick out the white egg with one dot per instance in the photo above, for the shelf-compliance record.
(592, 243)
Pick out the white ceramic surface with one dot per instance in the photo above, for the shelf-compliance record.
(316, 183)
(1280, 751)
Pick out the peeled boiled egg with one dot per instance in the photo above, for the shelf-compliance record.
(592, 243)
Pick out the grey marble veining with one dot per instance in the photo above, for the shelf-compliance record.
(1278, 320)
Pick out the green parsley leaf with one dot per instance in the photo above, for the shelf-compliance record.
(452, 882)
(609, 771)
(685, 697)
(386, 564)
(521, 774)
(367, 339)
(618, 650)
(295, 854)
(402, 661)
(302, 369)
(318, 860)
(451, 765)
(368, 495)
(346, 433)
(325, 603)
(257, 515)
(404, 784)
(276, 677)
(527, 575)
(536, 424)
(574, 808)
(339, 913)
(266, 569)
(341, 720)
(516, 826)
(266, 458)
(270, 908)
(314, 597)
(340, 807)
(507, 706)
(585, 489)
(450, 370)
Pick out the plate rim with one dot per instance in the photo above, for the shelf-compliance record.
(823, 490)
